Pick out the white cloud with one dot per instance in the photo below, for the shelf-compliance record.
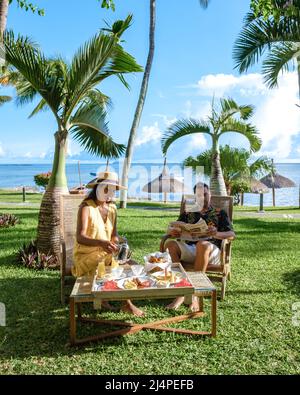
(168, 121)
(197, 142)
(278, 118)
(43, 155)
(221, 84)
(2, 152)
(149, 134)
(28, 155)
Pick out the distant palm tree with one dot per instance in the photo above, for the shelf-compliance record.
(236, 165)
(69, 91)
(231, 117)
(279, 38)
(141, 100)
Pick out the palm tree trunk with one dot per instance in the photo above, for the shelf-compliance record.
(48, 234)
(298, 67)
(140, 106)
(3, 17)
(217, 183)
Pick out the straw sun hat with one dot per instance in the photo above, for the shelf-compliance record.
(106, 178)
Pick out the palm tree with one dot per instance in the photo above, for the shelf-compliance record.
(231, 117)
(140, 105)
(236, 165)
(69, 91)
(141, 100)
(280, 38)
(3, 17)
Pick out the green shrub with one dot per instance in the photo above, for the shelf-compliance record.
(7, 220)
(42, 179)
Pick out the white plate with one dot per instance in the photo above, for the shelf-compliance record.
(161, 275)
(120, 283)
(110, 276)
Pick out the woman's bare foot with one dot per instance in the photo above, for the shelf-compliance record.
(195, 307)
(176, 303)
(107, 306)
(129, 307)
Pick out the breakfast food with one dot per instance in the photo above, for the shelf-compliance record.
(136, 283)
(155, 259)
(155, 270)
(163, 284)
(172, 277)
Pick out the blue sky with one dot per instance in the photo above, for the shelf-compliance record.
(193, 62)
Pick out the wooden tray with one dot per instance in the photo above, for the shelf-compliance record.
(145, 293)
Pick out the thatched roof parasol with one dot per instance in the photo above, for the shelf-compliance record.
(257, 186)
(278, 180)
(165, 183)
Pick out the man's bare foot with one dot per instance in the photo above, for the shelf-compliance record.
(175, 304)
(129, 307)
(195, 307)
(107, 306)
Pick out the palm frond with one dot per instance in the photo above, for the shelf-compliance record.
(247, 130)
(258, 36)
(204, 3)
(230, 108)
(119, 26)
(35, 69)
(183, 128)
(4, 99)
(90, 128)
(96, 60)
(260, 166)
(278, 61)
(42, 106)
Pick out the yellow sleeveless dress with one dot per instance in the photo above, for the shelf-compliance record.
(86, 258)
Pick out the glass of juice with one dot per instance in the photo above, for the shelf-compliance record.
(101, 269)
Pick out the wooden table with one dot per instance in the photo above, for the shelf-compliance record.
(83, 293)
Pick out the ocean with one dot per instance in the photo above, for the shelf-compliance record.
(18, 175)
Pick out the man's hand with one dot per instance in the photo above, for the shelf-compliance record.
(173, 232)
(212, 231)
(108, 246)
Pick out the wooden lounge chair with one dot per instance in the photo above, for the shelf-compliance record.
(222, 272)
(69, 205)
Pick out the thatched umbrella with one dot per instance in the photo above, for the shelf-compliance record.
(257, 187)
(276, 181)
(165, 184)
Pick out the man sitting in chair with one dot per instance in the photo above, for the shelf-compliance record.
(204, 253)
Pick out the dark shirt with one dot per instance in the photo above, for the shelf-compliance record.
(213, 217)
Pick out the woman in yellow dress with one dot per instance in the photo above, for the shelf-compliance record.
(97, 237)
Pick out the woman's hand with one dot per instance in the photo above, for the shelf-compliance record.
(108, 246)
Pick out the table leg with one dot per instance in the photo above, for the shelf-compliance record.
(72, 321)
(201, 307)
(214, 313)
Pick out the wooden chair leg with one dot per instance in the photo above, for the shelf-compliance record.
(62, 291)
(223, 289)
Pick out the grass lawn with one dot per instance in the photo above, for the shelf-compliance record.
(255, 330)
